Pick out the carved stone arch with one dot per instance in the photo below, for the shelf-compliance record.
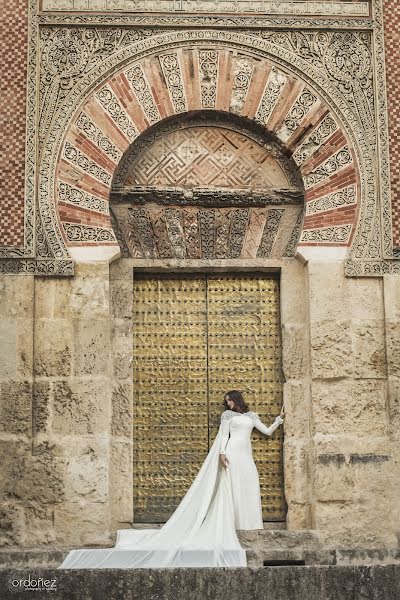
(207, 185)
(208, 70)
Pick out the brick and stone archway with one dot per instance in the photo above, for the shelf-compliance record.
(207, 77)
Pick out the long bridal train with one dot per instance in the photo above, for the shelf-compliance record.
(202, 530)
(200, 533)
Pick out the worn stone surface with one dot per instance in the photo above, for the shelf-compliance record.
(369, 350)
(91, 347)
(393, 348)
(331, 349)
(121, 489)
(83, 522)
(298, 454)
(122, 336)
(8, 341)
(122, 410)
(53, 347)
(348, 524)
(294, 353)
(296, 396)
(15, 406)
(324, 582)
(81, 407)
(349, 406)
(87, 471)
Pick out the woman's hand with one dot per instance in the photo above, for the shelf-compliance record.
(223, 460)
(282, 411)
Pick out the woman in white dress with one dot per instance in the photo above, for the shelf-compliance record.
(237, 423)
(224, 497)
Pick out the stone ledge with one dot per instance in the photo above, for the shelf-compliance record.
(310, 582)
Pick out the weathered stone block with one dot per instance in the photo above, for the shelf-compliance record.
(81, 406)
(85, 296)
(122, 410)
(122, 299)
(121, 488)
(122, 342)
(328, 291)
(16, 407)
(89, 292)
(43, 477)
(296, 397)
(352, 524)
(394, 405)
(293, 294)
(391, 284)
(331, 350)
(297, 460)
(393, 348)
(24, 354)
(349, 407)
(299, 516)
(41, 401)
(87, 471)
(333, 482)
(366, 296)
(369, 350)
(83, 523)
(12, 524)
(39, 526)
(294, 351)
(16, 296)
(12, 459)
(8, 349)
(91, 347)
(53, 347)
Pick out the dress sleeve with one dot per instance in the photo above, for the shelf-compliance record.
(267, 430)
(225, 425)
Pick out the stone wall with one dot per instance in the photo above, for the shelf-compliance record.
(66, 410)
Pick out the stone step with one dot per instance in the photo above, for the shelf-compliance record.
(261, 558)
(279, 539)
(315, 582)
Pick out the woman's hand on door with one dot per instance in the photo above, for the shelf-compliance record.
(223, 460)
(282, 411)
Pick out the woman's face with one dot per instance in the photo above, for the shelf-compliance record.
(229, 402)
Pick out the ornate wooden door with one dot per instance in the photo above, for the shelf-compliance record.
(195, 338)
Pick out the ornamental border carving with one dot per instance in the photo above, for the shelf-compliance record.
(231, 21)
(249, 45)
(293, 7)
(373, 241)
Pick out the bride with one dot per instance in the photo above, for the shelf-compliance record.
(224, 496)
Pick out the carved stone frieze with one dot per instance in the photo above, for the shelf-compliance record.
(278, 7)
(336, 64)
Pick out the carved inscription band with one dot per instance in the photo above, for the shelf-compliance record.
(271, 7)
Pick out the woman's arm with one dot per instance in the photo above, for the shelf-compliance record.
(267, 430)
(225, 423)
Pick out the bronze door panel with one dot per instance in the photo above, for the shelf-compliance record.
(196, 337)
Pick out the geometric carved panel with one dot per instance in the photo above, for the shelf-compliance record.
(206, 192)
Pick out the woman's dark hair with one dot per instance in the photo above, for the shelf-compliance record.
(240, 404)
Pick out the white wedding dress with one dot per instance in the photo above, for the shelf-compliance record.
(202, 530)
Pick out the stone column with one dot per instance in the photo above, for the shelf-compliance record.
(121, 466)
(23, 479)
(72, 412)
(352, 496)
(297, 451)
